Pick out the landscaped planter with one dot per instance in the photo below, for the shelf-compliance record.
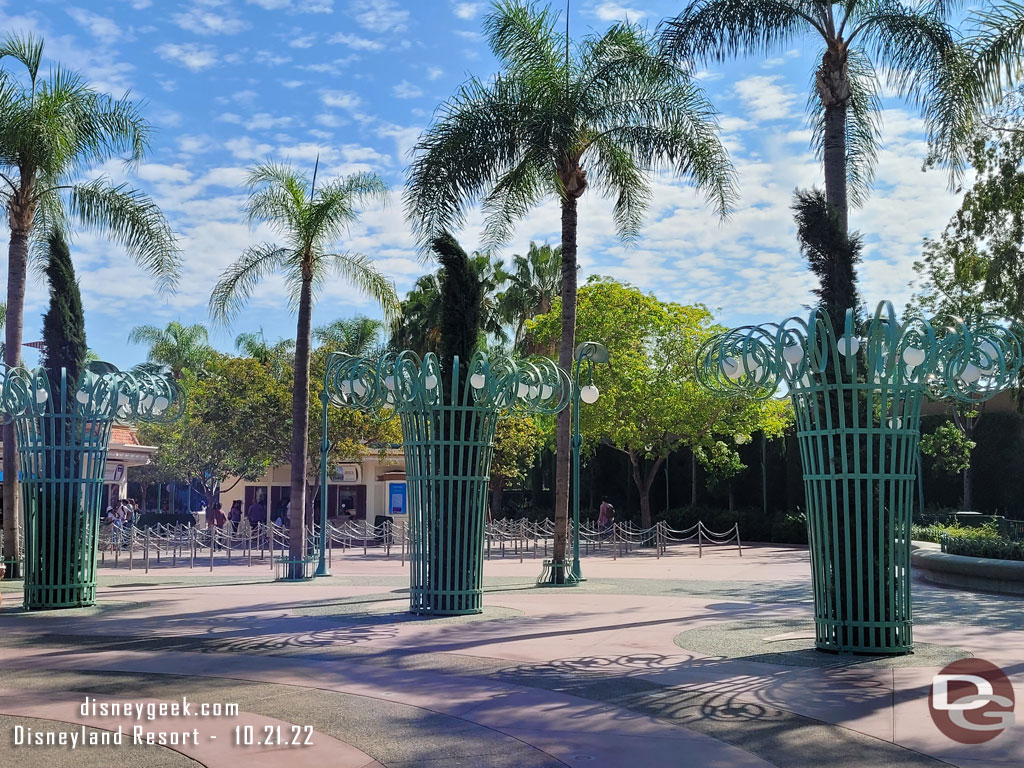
(858, 407)
(63, 453)
(448, 431)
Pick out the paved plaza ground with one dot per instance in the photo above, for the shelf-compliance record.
(652, 662)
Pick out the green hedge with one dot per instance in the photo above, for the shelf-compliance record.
(987, 532)
(997, 549)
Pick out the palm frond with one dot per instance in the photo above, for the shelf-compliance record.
(714, 30)
(132, 219)
(998, 45)
(239, 280)
(357, 269)
(522, 36)
(26, 48)
(337, 203)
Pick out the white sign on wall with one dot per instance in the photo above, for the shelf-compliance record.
(347, 473)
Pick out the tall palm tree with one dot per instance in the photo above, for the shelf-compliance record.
(52, 128)
(912, 42)
(310, 219)
(277, 357)
(559, 118)
(178, 347)
(358, 336)
(533, 282)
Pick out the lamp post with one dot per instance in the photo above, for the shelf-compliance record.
(325, 447)
(590, 352)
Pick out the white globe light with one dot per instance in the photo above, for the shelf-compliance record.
(546, 392)
(849, 345)
(477, 381)
(971, 374)
(42, 395)
(430, 382)
(82, 396)
(731, 368)
(589, 394)
(989, 348)
(359, 388)
(793, 354)
(534, 391)
(523, 390)
(389, 382)
(161, 403)
(913, 356)
(346, 387)
(122, 399)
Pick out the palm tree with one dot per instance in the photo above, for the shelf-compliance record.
(358, 336)
(310, 219)
(277, 357)
(53, 128)
(912, 42)
(560, 118)
(178, 347)
(533, 283)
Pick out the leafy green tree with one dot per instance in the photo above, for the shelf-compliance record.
(232, 426)
(531, 285)
(178, 347)
(997, 44)
(311, 219)
(54, 128)
(277, 357)
(517, 441)
(558, 119)
(950, 448)
(912, 44)
(650, 402)
(359, 336)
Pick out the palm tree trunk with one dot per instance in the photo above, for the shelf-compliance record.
(300, 429)
(833, 84)
(565, 355)
(17, 271)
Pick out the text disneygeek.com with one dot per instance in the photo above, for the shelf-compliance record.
(97, 732)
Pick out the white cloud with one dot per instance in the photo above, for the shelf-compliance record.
(202, 21)
(379, 15)
(245, 148)
(610, 11)
(765, 99)
(406, 90)
(263, 121)
(299, 6)
(467, 10)
(356, 42)
(306, 41)
(189, 55)
(434, 73)
(340, 99)
(103, 29)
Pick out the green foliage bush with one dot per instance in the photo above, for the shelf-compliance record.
(934, 533)
(995, 548)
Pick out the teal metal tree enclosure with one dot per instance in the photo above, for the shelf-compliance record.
(62, 445)
(449, 443)
(858, 409)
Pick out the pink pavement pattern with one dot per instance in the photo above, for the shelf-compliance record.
(604, 633)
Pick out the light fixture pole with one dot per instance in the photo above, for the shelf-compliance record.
(590, 352)
(325, 447)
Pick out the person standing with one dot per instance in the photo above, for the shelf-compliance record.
(235, 516)
(606, 517)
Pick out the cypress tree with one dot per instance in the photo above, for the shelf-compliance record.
(63, 323)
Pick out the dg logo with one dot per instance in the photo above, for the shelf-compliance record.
(972, 701)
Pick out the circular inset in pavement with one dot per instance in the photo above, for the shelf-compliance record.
(791, 643)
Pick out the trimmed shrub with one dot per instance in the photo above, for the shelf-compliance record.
(997, 549)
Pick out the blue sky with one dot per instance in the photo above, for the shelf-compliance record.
(228, 83)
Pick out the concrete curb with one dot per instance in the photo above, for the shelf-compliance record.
(981, 574)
